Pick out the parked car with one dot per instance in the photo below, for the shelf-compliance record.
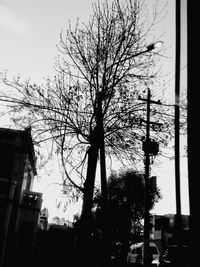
(170, 257)
(136, 254)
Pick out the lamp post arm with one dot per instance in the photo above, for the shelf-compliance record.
(130, 57)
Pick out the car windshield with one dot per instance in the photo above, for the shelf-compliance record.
(153, 250)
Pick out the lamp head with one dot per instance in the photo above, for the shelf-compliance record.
(154, 45)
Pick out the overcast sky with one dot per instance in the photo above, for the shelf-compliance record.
(29, 31)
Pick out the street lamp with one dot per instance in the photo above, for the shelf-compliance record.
(149, 48)
(102, 144)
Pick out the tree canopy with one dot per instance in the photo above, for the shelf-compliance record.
(102, 69)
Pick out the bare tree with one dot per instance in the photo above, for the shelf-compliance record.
(102, 69)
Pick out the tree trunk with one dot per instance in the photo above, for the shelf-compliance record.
(84, 237)
(89, 184)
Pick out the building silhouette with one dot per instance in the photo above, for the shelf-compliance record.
(19, 205)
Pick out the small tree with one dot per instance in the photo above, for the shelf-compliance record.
(126, 205)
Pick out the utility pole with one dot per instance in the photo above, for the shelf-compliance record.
(150, 148)
(192, 134)
(178, 221)
(177, 124)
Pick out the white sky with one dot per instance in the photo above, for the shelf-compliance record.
(29, 31)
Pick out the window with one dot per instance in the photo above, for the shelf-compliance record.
(6, 165)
